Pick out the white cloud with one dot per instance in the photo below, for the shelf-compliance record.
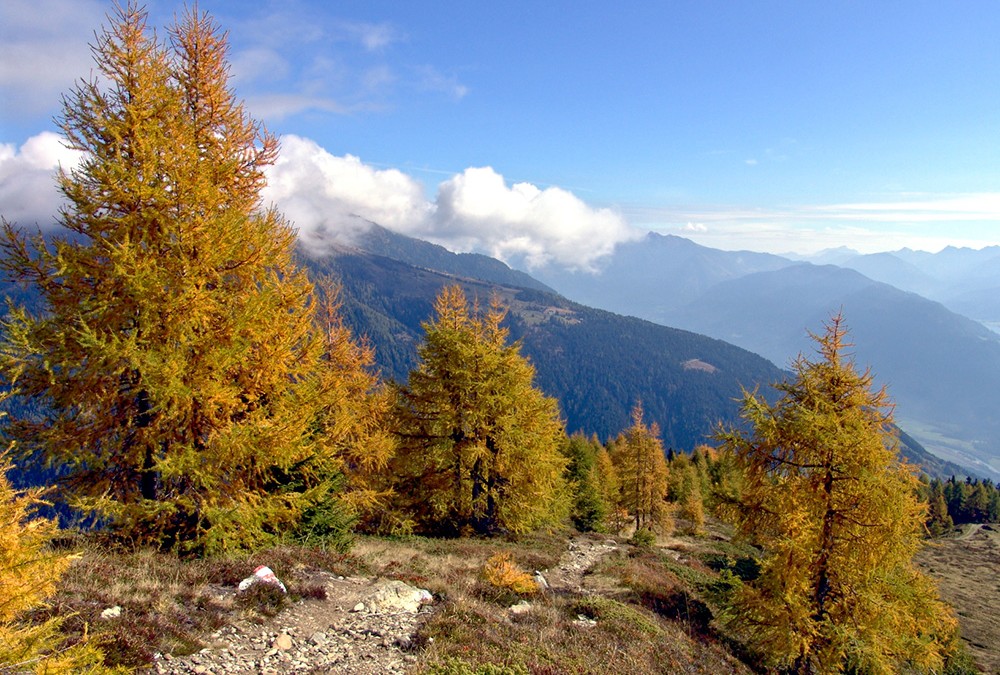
(28, 192)
(324, 195)
(42, 44)
(478, 211)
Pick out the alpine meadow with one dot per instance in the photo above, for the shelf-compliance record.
(232, 445)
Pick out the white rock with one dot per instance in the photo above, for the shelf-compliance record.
(112, 612)
(394, 595)
(522, 607)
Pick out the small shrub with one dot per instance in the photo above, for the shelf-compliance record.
(262, 598)
(746, 568)
(643, 538)
(502, 573)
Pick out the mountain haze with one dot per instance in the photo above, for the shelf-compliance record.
(941, 367)
(597, 364)
(652, 277)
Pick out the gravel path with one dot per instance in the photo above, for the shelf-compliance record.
(583, 553)
(335, 636)
(312, 636)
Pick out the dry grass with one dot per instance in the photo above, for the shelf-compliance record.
(645, 610)
(966, 568)
(170, 605)
(646, 620)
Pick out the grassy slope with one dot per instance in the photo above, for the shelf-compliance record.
(654, 607)
(649, 604)
(965, 566)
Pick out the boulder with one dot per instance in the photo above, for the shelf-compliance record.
(396, 596)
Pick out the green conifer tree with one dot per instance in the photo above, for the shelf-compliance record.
(834, 509)
(590, 510)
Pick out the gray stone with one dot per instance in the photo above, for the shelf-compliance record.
(394, 595)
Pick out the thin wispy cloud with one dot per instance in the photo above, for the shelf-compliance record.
(292, 62)
(41, 49)
(924, 208)
(372, 36)
(913, 221)
(429, 78)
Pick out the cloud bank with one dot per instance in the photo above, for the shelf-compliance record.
(476, 210)
(330, 198)
(325, 195)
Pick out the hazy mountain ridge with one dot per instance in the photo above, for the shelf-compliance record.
(967, 281)
(941, 367)
(677, 268)
(598, 364)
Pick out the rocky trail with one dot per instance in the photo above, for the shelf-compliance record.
(363, 626)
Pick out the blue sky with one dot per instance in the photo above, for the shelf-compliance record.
(550, 131)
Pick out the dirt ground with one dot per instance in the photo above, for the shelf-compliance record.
(967, 567)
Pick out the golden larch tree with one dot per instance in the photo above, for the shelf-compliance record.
(478, 443)
(175, 359)
(834, 509)
(642, 475)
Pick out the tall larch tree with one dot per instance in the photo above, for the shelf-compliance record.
(176, 357)
(642, 475)
(478, 443)
(833, 508)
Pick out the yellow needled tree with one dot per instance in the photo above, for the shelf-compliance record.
(479, 445)
(29, 572)
(642, 475)
(177, 361)
(835, 511)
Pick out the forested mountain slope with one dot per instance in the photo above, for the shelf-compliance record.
(598, 364)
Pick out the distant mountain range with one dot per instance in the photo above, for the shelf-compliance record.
(941, 366)
(598, 364)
